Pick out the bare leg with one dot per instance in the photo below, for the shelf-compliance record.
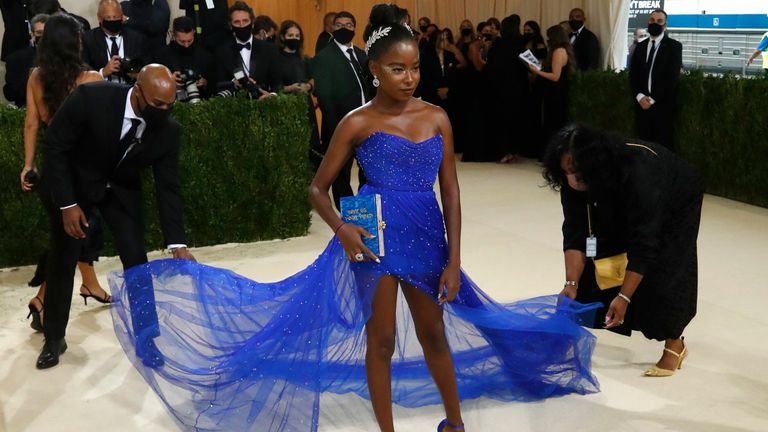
(430, 330)
(90, 281)
(380, 334)
(669, 361)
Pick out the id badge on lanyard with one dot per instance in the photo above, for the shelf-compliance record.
(591, 247)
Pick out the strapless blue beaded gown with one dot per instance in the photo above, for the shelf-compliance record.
(240, 355)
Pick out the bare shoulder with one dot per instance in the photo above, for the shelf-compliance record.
(354, 126)
(431, 113)
(88, 76)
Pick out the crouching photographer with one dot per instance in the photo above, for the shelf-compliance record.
(190, 62)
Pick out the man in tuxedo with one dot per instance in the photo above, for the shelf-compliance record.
(107, 44)
(20, 63)
(258, 60)
(585, 44)
(654, 74)
(326, 36)
(184, 53)
(341, 85)
(95, 148)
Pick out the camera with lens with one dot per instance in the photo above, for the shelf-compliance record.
(187, 90)
(129, 66)
(253, 89)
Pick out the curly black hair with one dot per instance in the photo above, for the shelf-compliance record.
(386, 15)
(598, 157)
(59, 60)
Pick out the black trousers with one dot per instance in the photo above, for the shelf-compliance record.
(656, 124)
(127, 229)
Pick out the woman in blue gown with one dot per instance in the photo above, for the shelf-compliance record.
(249, 356)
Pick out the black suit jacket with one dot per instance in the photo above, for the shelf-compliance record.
(151, 19)
(587, 50)
(323, 39)
(264, 67)
(17, 69)
(16, 35)
(96, 50)
(336, 86)
(82, 150)
(666, 71)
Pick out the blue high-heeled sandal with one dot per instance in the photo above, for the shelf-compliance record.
(445, 423)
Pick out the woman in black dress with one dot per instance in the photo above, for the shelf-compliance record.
(532, 134)
(480, 145)
(293, 69)
(461, 94)
(633, 198)
(439, 67)
(553, 78)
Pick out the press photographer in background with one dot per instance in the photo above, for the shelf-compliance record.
(191, 63)
(245, 62)
(113, 50)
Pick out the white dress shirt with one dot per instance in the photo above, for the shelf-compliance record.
(245, 55)
(652, 61)
(344, 49)
(121, 50)
(576, 36)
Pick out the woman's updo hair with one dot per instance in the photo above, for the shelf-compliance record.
(384, 16)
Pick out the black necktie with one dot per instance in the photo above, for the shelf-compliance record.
(114, 50)
(355, 64)
(246, 45)
(129, 139)
(649, 61)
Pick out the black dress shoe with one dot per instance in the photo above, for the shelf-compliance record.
(49, 356)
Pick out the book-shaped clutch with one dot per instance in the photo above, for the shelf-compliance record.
(365, 211)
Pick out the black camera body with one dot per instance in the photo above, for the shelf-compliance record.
(129, 66)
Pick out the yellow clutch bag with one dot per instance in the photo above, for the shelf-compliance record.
(610, 271)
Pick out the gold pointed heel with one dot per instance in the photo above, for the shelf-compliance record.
(656, 371)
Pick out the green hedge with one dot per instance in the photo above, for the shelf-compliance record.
(244, 170)
(721, 125)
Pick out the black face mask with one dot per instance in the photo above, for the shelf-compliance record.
(423, 28)
(655, 29)
(243, 33)
(182, 49)
(292, 44)
(270, 39)
(343, 35)
(576, 24)
(527, 37)
(466, 32)
(487, 36)
(37, 40)
(154, 116)
(113, 27)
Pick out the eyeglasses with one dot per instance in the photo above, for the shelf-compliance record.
(348, 25)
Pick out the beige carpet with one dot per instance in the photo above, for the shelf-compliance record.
(511, 248)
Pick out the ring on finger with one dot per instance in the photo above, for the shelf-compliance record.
(359, 256)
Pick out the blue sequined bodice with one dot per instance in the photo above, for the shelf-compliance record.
(396, 163)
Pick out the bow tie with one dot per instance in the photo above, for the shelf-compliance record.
(246, 45)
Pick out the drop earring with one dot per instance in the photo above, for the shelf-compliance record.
(376, 81)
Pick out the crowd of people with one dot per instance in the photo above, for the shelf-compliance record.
(469, 93)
